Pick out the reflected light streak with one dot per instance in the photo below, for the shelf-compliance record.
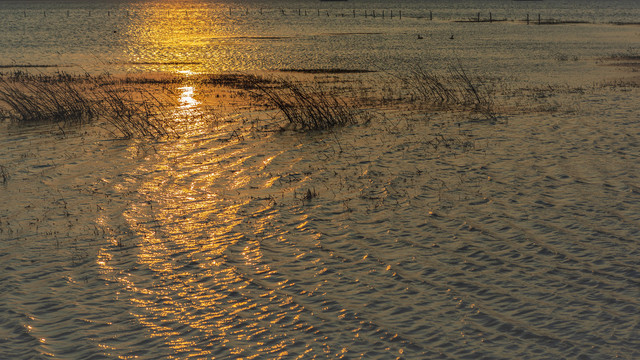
(186, 100)
(199, 280)
(170, 36)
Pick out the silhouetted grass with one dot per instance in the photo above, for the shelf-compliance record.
(35, 99)
(453, 90)
(75, 100)
(136, 113)
(310, 106)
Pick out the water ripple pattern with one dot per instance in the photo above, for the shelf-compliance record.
(412, 237)
(390, 240)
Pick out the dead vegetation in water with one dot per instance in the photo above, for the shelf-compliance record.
(327, 70)
(313, 106)
(137, 113)
(69, 100)
(628, 55)
(452, 90)
(143, 106)
(46, 98)
(629, 59)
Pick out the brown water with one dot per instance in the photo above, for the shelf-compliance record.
(416, 236)
(420, 235)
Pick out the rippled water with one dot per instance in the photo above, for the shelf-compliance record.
(206, 36)
(422, 238)
(418, 236)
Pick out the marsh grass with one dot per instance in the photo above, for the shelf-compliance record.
(134, 112)
(137, 113)
(454, 89)
(141, 106)
(310, 106)
(38, 99)
(236, 81)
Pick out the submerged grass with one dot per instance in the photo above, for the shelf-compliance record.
(74, 100)
(140, 107)
(453, 90)
(310, 106)
(37, 99)
(4, 174)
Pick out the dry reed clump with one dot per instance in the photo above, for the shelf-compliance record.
(455, 90)
(310, 106)
(57, 98)
(136, 113)
(74, 100)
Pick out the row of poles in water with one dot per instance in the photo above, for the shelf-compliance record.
(366, 13)
(299, 12)
(306, 12)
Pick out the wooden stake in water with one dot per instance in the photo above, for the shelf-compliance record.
(527, 19)
(430, 15)
(539, 20)
(490, 19)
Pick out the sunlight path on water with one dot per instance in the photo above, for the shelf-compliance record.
(200, 247)
(417, 236)
(406, 237)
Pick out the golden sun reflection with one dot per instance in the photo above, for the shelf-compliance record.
(170, 36)
(186, 100)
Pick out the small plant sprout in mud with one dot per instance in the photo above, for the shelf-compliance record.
(310, 194)
(4, 175)
(306, 196)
